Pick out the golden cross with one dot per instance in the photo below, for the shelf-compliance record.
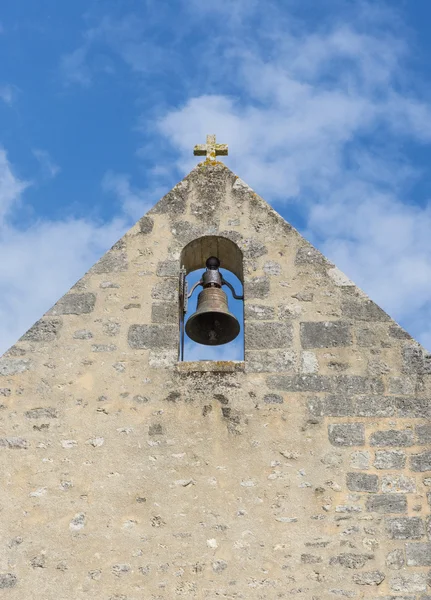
(211, 149)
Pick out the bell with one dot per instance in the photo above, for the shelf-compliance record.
(212, 324)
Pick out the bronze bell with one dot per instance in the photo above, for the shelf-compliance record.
(212, 324)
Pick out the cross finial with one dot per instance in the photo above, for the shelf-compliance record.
(211, 149)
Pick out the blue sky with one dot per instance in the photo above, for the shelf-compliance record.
(325, 107)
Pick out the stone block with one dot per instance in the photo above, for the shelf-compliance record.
(259, 312)
(397, 332)
(273, 399)
(112, 262)
(369, 578)
(7, 580)
(395, 559)
(146, 225)
(300, 383)
(346, 434)
(42, 413)
(166, 290)
(360, 459)
(416, 360)
(419, 408)
(367, 337)
(423, 434)
(11, 366)
(398, 483)
(74, 304)
(392, 437)
(14, 443)
(82, 334)
(351, 560)
(252, 248)
(387, 503)
(357, 384)
(270, 361)
(168, 268)
(374, 406)
(408, 582)
(421, 462)
(153, 337)
(44, 330)
(362, 482)
(325, 334)
(262, 336)
(390, 459)
(256, 287)
(362, 309)
(405, 528)
(103, 348)
(309, 362)
(163, 359)
(272, 268)
(418, 555)
(164, 312)
(174, 203)
(403, 386)
(307, 255)
(330, 406)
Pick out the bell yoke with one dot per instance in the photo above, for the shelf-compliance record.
(212, 324)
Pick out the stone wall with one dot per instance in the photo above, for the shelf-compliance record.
(303, 472)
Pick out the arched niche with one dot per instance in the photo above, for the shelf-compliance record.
(197, 251)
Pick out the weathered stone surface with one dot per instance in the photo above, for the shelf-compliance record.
(421, 462)
(153, 337)
(423, 434)
(82, 334)
(10, 366)
(74, 304)
(164, 312)
(414, 407)
(42, 413)
(408, 582)
(262, 336)
(374, 406)
(395, 560)
(401, 386)
(418, 555)
(166, 290)
(259, 312)
(270, 361)
(111, 262)
(398, 483)
(347, 434)
(309, 363)
(173, 203)
(163, 359)
(387, 503)
(369, 578)
(405, 528)
(44, 330)
(103, 348)
(300, 383)
(5, 392)
(362, 482)
(361, 309)
(168, 268)
(7, 580)
(357, 384)
(351, 560)
(416, 359)
(390, 459)
(273, 399)
(392, 437)
(309, 255)
(14, 443)
(325, 334)
(360, 459)
(272, 268)
(399, 333)
(146, 225)
(256, 287)
(330, 406)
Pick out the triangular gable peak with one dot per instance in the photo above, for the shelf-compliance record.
(301, 470)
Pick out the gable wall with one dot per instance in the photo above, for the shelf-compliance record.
(304, 471)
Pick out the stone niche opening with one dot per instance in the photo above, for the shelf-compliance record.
(226, 357)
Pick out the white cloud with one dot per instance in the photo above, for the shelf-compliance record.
(134, 202)
(49, 168)
(7, 92)
(74, 67)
